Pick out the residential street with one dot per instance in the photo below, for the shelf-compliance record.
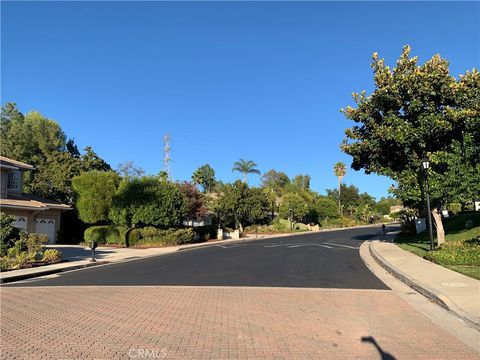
(320, 260)
(303, 297)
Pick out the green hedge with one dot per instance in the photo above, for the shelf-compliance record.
(151, 236)
(105, 234)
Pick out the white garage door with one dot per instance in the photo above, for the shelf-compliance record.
(20, 222)
(46, 226)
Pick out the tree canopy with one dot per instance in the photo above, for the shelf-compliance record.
(205, 176)
(276, 180)
(96, 190)
(147, 201)
(240, 205)
(293, 207)
(39, 141)
(418, 111)
(413, 112)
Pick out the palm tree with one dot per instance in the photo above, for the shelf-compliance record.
(339, 170)
(245, 167)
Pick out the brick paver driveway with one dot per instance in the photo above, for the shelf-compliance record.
(217, 323)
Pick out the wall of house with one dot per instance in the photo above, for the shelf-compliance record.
(32, 216)
(3, 181)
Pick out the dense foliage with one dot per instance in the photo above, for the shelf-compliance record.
(148, 201)
(240, 205)
(205, 177)
(151, 236)
(8, 233)
(413, 112)
(96, 190)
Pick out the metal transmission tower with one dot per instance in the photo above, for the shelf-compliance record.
(166, 157)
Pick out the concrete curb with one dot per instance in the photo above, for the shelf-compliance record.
(433, 295)
(50, 272)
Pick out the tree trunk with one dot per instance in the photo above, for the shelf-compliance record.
(244, 178)
(339, 189)
(437, 218)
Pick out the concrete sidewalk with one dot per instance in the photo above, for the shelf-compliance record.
(455, 292)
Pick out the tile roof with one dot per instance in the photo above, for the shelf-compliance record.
(21, 165)
(31, 202)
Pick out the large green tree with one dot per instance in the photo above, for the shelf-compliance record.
(40, 141)
(205, 176)
(293, 207)
(241, 205)
(95, 190)
(53, 177)
(414, 111)
(147, 201)
(326, 208)
(302, 182)
(275, 180)
(31, 137)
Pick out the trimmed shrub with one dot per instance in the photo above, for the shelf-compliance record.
(151, 236)
(105, 234)
(51, 256)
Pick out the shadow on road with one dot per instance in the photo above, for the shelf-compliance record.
(78, 254)
(384, 355)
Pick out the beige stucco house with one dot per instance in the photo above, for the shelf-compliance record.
(32, 213)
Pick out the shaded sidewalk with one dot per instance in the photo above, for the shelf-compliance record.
(455, 292)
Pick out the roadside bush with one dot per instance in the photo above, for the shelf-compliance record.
(8, 233)
(106, 234)
(22, 259)
(151, 236)
(340, 222)
(51, 256)
(18, 247)
(457, 253)
(7, 263)
(34, 242)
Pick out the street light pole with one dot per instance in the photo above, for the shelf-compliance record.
(426, 165)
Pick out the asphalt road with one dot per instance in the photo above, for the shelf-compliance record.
(313, 260)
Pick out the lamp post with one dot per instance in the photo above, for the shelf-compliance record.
(425, 166)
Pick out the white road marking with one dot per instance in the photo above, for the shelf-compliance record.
(345, 246)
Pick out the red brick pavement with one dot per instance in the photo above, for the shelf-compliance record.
(216, 323)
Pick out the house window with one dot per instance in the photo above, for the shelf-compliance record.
(13, 181)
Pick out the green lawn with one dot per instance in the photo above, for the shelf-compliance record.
(461, 251)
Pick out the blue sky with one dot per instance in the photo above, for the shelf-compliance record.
(228, 80)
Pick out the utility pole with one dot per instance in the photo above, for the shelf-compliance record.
(166, 156)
